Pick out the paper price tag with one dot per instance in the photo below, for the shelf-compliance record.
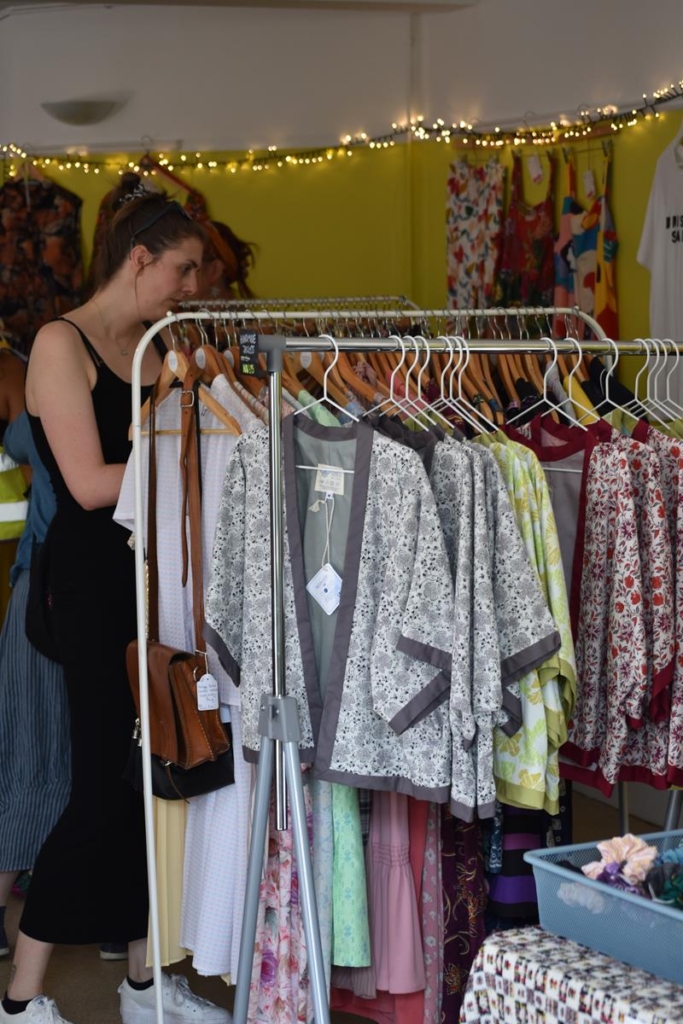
(325, 588)
(589, 184)
(329, 479)
(207, 693)
(535, 168)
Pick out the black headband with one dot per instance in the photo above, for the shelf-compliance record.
(166, 208)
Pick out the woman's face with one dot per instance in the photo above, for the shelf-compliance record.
(169, 279)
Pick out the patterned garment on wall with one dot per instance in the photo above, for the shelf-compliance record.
(40, 256)
(585, 253)
(474, 210)
(527, 274)
(606, 277)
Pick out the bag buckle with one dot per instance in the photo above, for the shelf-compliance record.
(187, 405)
(204, 655)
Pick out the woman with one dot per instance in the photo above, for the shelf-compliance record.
(226, 265)
(11, 404)
(35, 776)
(90, 879)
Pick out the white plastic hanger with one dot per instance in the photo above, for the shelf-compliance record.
(674, 348)
(575, 402)
(325, 397)
(418, 403)
(636, 407)
(665, 405)
(652, 406)
(392, 399)
(451, 401)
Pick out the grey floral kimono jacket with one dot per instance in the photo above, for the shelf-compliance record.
(383, 722)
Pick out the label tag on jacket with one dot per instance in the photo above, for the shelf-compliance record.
(329, 479)
(589, 183)
(207, 693)
(325, 588)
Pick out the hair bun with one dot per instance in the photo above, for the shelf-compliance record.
(130, 186)
(129, 181)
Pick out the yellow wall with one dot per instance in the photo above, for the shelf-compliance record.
(374, 223)
(336, 228)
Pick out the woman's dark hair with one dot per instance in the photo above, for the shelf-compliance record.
(243, 256)
(142, 218)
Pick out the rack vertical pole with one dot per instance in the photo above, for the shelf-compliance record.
(279, 733)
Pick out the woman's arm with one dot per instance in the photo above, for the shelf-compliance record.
(59, 382)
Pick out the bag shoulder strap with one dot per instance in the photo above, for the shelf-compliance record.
(192, 502)
(152, 559)
(191, 514)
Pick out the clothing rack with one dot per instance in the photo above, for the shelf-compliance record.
(350, 302)
(279, 720)
(354, 309)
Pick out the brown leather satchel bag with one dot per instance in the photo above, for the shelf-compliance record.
(182, 737)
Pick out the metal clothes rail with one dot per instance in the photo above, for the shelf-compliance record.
(326, 302)
(279, 721)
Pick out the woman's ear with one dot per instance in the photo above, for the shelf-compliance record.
(140, 257)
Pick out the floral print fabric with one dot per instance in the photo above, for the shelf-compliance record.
(502, 625)
(626, 640)
(397, 595)
(474, 210)
(40, 256)
(280, 984)
(526, 764)
(527, 272)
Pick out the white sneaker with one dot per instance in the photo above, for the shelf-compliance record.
(40, 1010)
(181, 1005)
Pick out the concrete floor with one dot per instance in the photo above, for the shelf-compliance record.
(85, 986)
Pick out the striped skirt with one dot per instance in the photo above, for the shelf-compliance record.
(35, 776)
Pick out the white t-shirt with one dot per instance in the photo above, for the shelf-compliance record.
(661, 251)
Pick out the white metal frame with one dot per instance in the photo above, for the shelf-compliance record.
(599, 345)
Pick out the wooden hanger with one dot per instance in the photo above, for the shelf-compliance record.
(353, 381)
(485, 364)
(148, 163)
(506, 370)
(211, 362)
(532, 371)
(177, 367)
(380, 387)
(196, 372)
(474, 391)
(173, 368)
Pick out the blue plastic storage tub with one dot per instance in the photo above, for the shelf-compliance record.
(636, 930)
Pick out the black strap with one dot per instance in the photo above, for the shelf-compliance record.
(160, 346)
(90, 348)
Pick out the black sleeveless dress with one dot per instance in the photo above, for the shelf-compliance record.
(90, 879)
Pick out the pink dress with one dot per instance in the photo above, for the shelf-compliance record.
(396, 934)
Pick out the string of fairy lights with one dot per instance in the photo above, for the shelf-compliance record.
(596, 123)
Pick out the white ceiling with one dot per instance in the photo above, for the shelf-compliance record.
(8, 8)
